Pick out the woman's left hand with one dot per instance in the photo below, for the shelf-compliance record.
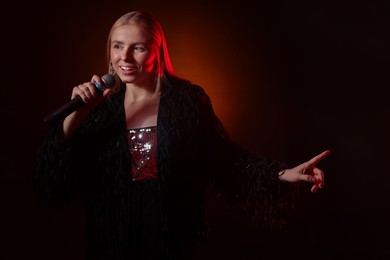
(306, 171)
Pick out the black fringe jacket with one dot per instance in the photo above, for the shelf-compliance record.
(195, 158)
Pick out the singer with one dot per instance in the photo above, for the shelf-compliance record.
(145, 155)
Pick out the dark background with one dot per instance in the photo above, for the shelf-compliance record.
(289, 79)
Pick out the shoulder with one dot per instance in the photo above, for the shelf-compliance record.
(179, 86)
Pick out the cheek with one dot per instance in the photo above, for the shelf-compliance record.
(114, 57)
(148, 62)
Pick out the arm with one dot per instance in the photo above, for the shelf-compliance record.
(242, 177)
(57, 160)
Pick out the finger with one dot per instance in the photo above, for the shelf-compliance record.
(82, 91)
(319, 176)
(317, 184)
(90, 90)
(77, 91)
(107, 92)
(316, 159)
(96, 78)
(98, 83)
(314, 188)
(307, 178)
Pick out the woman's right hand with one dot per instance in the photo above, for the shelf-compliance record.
(91, 97)
(89, 93)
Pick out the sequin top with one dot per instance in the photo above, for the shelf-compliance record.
(143, 149)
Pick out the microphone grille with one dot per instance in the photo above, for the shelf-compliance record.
(109, 80)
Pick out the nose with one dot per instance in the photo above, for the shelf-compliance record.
(127, 55)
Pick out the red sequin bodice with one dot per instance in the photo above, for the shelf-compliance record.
(143, 149)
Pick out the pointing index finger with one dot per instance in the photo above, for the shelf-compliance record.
(316, 159)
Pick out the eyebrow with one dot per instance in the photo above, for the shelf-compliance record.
(135, 43)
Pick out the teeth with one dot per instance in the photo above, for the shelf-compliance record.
(128, 68)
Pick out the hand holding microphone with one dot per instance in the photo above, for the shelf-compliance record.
(80, 97)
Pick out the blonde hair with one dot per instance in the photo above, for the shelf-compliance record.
(152, 27)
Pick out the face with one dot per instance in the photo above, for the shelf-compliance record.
(131, 54)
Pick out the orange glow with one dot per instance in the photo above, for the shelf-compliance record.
(208, 56)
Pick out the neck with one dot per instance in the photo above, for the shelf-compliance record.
(136, 92)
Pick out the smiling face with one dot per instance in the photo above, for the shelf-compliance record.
(132, 54)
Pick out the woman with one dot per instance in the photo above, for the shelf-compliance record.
(145, 155)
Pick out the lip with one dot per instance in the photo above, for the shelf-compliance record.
(127, 70)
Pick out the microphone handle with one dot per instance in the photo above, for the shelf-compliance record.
(64, 111)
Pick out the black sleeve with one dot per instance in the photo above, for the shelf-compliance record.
(54, 180)
(242, 177)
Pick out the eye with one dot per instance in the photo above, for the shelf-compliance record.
(117, 46)
(139, 48)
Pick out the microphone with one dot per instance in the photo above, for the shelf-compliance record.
(77, 102)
